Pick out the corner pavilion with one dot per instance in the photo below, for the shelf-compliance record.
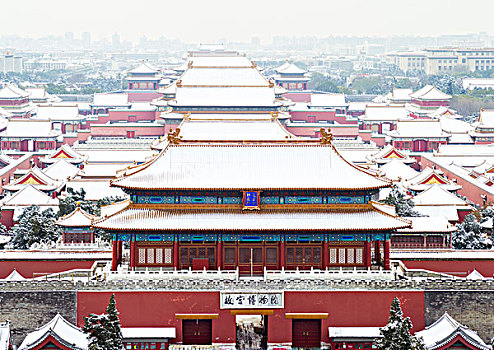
(232, 189)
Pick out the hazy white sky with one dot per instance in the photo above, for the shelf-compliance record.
(210, 20)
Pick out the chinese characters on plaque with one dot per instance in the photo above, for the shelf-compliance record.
(251, 200)
(251, 300)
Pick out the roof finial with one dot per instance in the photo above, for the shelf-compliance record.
(173, 137)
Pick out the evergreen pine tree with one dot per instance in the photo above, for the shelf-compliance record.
(470, 236)
(403, 206)
(396, 334)
(104, 330)
(113, 326)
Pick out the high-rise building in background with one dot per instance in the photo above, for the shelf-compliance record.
(86, 39)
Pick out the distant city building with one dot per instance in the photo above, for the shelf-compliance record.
(11, 63)
(445, 60)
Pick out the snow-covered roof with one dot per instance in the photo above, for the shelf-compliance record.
(225, 97)
(450, 212)
(47, 255)
(58, 112)
(148, 333)
(144, 68)
(110, 209)
(11, 91)
(14, 276)
(29, 195)
(454, 125)
(419, 128)
(78, 218)
(61, 170)
(65, 152)
(396, 170)
(421, 224)
(110, 100)
(429, 177)
(5, 336)
(401, 95)
(378, 112)
(223, 76)
(389, 153)
(328, 100)
(230, 219)
(437, 195)
(36, 177)
(445, 330)
(486, 117)
(354, 332)
(61, 330)
(5, 114)
(238, 166)
(242, 129)
(430, 92)
(475, 275)
(30, 128)
(37, 93)
(96, 189)
(290, 68)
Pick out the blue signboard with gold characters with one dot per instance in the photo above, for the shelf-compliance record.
(251, 200)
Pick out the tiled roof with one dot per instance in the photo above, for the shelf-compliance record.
(289, 165)
(78, 218)
(366, 219)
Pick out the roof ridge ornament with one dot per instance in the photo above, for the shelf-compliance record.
(326, 136)
(173, 137)
(274, 116)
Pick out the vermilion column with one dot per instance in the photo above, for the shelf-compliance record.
(219, 247)
(282, 252)
(387, 265)
(175, 253)
(120, 251)
(325, 253)
(368, 262)
(377, 252)
(114, 257)
(133, 253)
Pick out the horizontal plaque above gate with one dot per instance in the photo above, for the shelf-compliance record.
(252, 300)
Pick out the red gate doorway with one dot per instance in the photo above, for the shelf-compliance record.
(197, 332)
(251, 332)
(306, 334)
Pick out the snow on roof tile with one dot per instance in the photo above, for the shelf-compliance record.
(30, 128)
(354, 332)
(78, 218)
(396, 170)
(419, 128)
(62, 330)
(445, 329)
(144, 68)
(14, 276)
(385, 113)
(110, 100)
(11, 91)
(61, 170)
(475, 275)
(4, 336)
(328, 100)
(201, 219)
(148, 333)
(428, 224)
(430, 92)
(237, 165)
(29, 195)
(437, 195)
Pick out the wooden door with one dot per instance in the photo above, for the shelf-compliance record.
(197, 332)
(420, 146)
(250, 260)
(190, 252)
(306, 333)
(303, 256)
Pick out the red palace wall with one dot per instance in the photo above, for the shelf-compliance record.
(121, 131)
(459, 268)
(469, 190)
(345, 308)
(127, 116)
(34, 268)
(431, 103)
(142, 96)
(313, 131)
(320, 116)
(298, 97)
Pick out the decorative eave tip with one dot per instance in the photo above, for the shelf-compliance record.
(326, 136)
